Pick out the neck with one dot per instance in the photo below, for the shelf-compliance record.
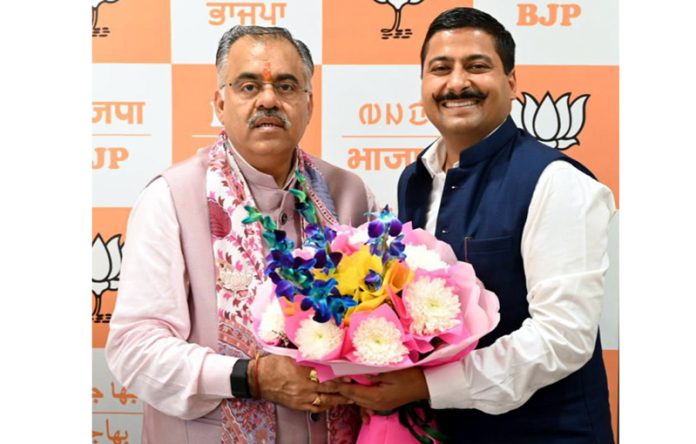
(277, 168)
(451, 156)
(276, 165)
(456, 143)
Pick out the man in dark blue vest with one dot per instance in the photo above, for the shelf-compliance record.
(534, 224)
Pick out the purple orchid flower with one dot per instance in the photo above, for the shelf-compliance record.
(373, 280)
(375, 229)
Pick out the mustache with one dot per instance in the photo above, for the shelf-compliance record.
(265, 113)
(466, 94)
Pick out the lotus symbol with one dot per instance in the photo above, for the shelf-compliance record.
(395, 32)
(556, 124)
(106, 269)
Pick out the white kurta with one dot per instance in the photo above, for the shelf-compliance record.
(564, 251)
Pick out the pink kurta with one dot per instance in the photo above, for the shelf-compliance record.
(163, 332)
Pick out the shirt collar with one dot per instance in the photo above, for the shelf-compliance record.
(434, 158)
(256, 177)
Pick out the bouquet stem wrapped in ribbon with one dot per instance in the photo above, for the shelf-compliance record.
(367, 300)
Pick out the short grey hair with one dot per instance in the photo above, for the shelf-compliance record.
(260, 32)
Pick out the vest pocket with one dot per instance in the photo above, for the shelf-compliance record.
(497, 264)
(475, 247)
(493, 260)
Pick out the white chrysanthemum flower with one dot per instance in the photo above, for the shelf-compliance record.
(419, 256)
(272, 325)
(317, 339)
(432, 305)
(378, 342)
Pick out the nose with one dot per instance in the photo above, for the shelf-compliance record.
(267, 97)
(458, 80)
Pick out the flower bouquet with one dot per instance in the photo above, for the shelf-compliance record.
(372, 299)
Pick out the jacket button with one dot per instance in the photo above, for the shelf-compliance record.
(444, 231)
(314, 416)
(283, 218)
(453, 187)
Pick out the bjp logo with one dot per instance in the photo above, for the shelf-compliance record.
(106, 270)
(553, 123)
(395, 32)
(99, 31)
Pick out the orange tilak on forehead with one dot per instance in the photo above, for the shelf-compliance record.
(267, 72)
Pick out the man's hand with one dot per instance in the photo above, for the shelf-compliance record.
(283, 382)
(390, 390)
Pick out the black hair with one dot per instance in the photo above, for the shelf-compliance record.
(473, 18)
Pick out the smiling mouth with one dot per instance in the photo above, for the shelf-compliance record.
(460, 103)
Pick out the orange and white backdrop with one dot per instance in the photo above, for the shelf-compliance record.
(154, 79)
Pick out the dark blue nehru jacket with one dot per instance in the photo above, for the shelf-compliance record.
(482, 214)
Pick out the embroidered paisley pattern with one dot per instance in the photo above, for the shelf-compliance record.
(239, 266)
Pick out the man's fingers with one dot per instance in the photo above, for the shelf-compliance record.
(347, 390)
(327, 387)
(330, 401)
(374, 378)
(325, 402)
(383, 378)
(358, 393)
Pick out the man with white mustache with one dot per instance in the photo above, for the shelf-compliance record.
(534, 224)
(181, 333)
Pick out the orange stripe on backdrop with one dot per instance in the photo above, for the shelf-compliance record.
(195, 123)
(107, 223)
(598, 146)
(193, 89)
(611, 362)
(131, 32)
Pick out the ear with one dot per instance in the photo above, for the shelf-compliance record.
(219, 102)
(512, 82)
(310, 106)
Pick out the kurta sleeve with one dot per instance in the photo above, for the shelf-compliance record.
(147, 349)
(564, 250)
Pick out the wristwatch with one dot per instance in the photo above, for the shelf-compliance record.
(239, 381)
